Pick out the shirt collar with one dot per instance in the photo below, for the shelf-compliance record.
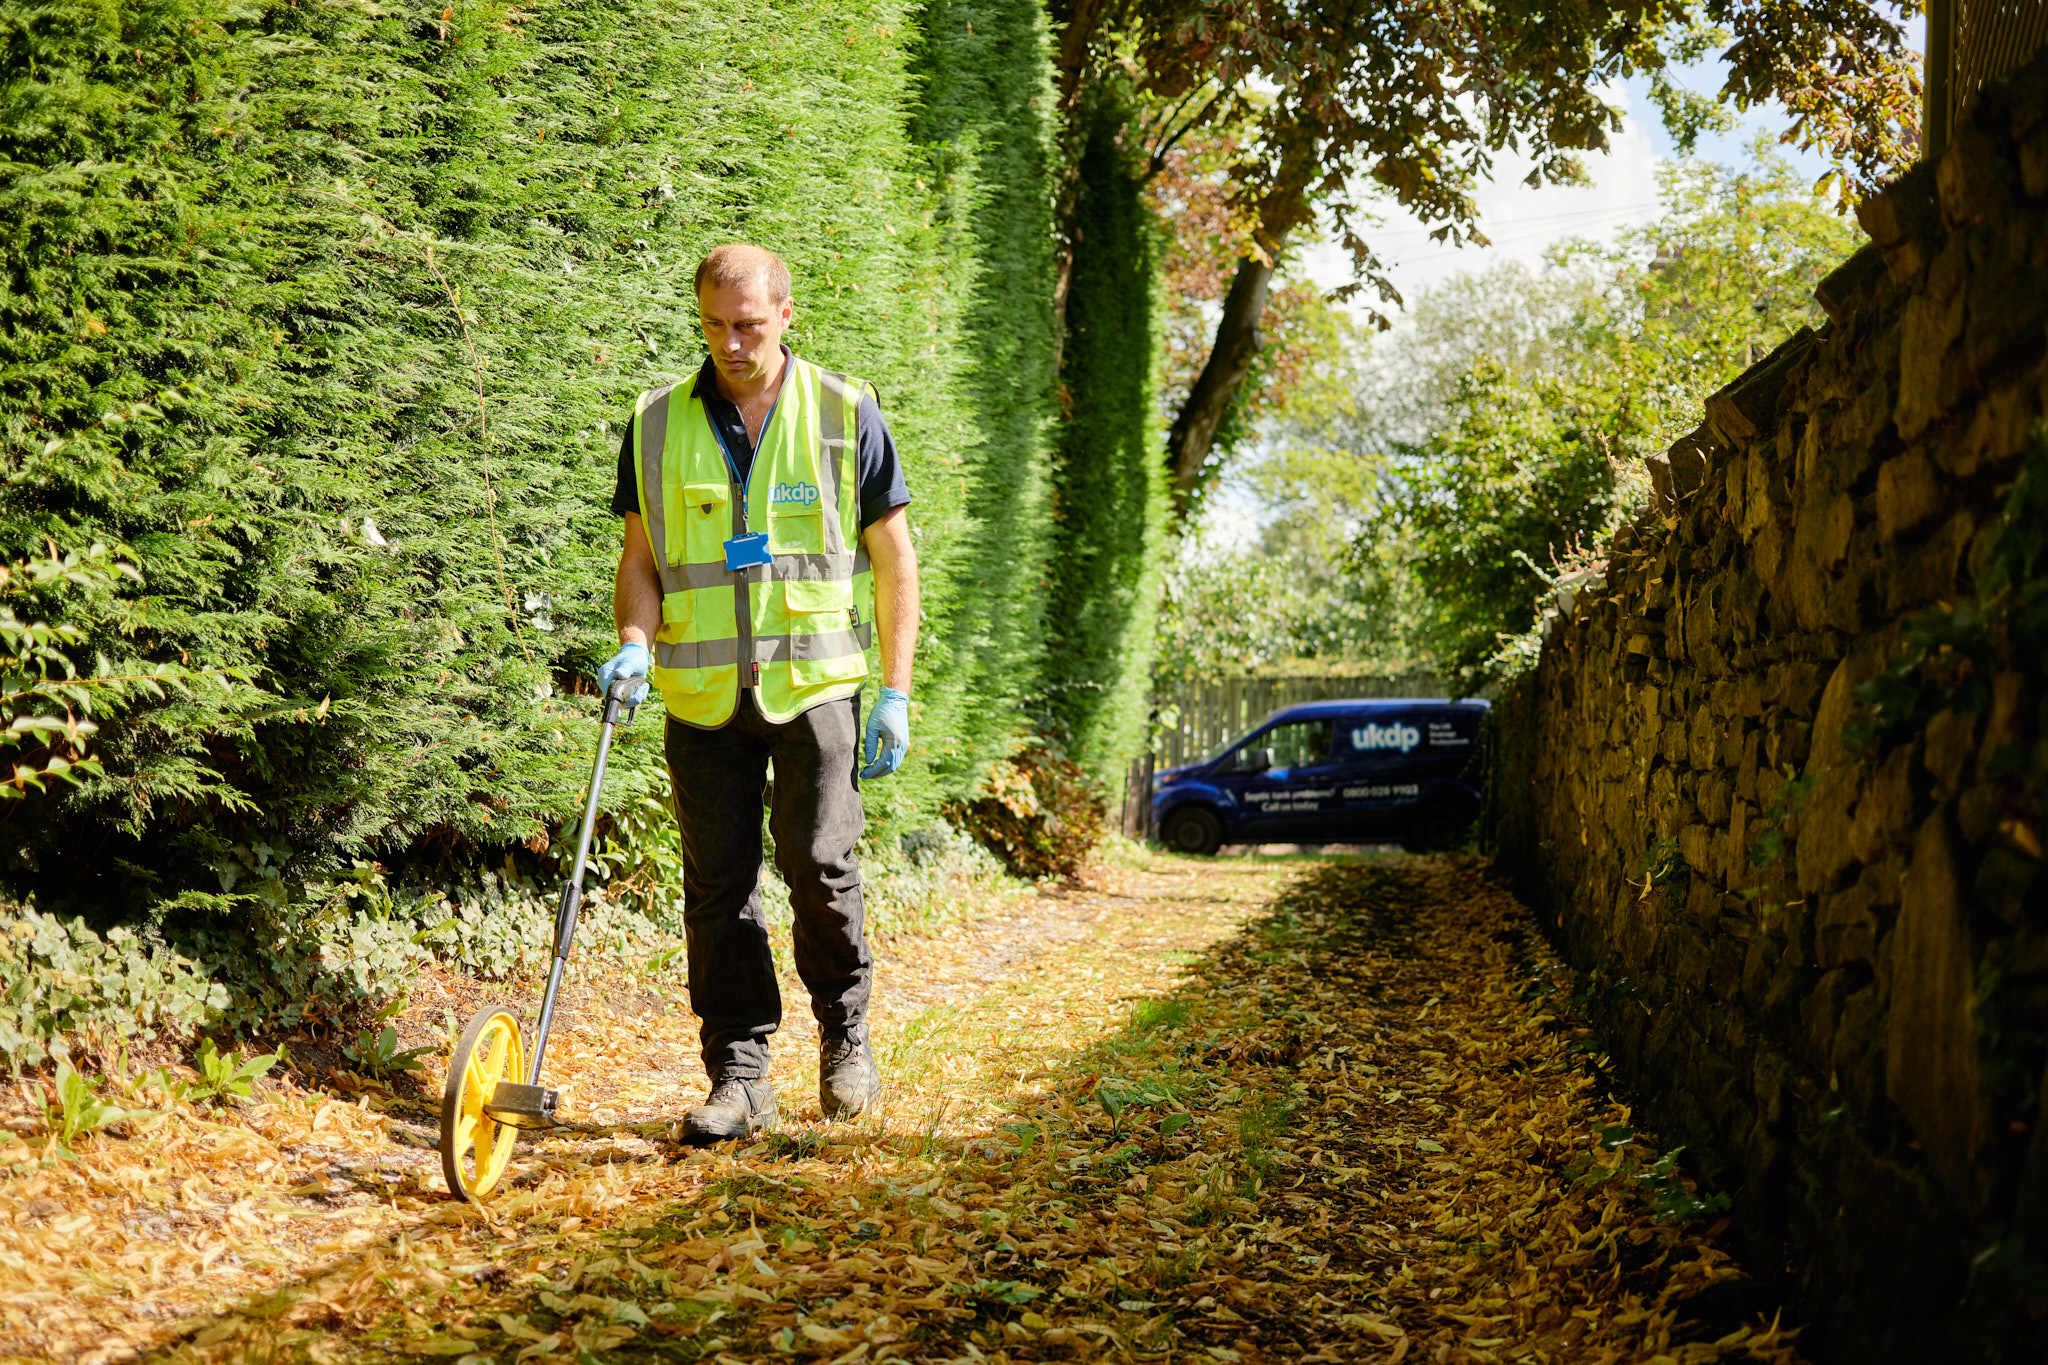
(706, 385)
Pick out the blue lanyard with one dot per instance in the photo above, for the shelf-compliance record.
(732, 466)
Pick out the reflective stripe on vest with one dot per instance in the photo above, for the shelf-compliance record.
(796, 627)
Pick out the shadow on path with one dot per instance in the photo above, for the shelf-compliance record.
(1364, 1127)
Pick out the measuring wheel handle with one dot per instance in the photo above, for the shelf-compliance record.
(475, 1145)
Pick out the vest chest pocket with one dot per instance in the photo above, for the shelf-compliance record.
(795, 530)
(705, 520)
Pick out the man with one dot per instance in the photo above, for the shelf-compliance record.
(763, 504)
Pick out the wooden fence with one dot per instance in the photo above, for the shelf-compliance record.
(1137, 812)
(1200, 717)
(1970, 42)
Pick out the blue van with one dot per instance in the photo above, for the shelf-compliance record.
(1401, 771)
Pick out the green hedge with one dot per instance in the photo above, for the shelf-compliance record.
(1110, 475)
(329, 317)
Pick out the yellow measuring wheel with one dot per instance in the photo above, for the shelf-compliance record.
(475, 1146)
(493, 1087)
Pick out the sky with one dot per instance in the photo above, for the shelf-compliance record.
(1524, 222)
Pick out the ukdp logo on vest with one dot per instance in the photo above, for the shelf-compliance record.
(802, 494)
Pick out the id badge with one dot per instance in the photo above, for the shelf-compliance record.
(744, 552)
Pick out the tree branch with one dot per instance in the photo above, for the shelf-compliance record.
(1237, 340)
(1157, 162)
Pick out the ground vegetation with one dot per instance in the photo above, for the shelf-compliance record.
(1242, 1109)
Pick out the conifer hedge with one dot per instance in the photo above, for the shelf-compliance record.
(328, 316)
(1110, 464)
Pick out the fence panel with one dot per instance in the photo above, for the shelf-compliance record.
(1137, 812)
(1969, 43)
(1198, 718)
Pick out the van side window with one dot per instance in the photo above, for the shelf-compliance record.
(1294, 745)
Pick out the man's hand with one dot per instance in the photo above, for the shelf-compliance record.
(888, 730)
(630, 662)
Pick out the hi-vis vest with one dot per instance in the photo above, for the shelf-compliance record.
(794, 629)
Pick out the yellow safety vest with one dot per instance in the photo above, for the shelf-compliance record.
(795, 629)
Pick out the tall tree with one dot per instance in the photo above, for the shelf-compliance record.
(1417, 97)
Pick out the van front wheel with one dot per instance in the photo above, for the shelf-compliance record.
(1192, 829)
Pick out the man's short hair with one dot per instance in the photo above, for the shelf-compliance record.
(738, 263)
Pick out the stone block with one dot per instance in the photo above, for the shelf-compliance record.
(1822, 854)
(2003, 720)
(1818, 1014)
(1696, 846)
(1788, 744)
(1852, 285)
(1701, 739)
(1860, 1033)
(1664, 801)
(1904, 221)
(1729, 740)
(1929, 328)
(1946, 751)
(1931, 1068)
(1714, 796)
(1845, 929)
(1735, 853)
(1727, 958)
(1761, 492)
(1688, 457)
(2034, 162)
(1995, 435)
(1794, 687)
(1885, 813)
(1973, 176)
(2007, 306)
(1747, 407)
(1978, 811)
(1864, 420)
(1907, 496)
(1758, 963)
(1837, 704)
(1933, 570)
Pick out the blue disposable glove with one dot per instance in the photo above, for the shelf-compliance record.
(630, 662)
(888, 730)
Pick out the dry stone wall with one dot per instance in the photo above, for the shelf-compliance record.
(1777, 779)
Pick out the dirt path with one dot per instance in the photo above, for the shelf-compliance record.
(1186, 1113)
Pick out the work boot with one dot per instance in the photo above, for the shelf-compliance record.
(735, 1108)
(848, 1083)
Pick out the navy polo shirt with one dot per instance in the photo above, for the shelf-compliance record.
(878, 470)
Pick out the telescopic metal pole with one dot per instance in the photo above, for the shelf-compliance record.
(572, 894)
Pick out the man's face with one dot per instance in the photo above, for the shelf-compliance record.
(743, 325)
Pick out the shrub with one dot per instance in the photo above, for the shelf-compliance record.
(65, 989)
(329, 319)
(1040, 813)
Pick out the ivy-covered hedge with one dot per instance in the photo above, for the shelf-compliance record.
(327, 318)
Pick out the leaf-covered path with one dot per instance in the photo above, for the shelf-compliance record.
(1230, 1110)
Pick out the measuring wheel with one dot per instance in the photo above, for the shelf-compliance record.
(494, 1087)
(475, 1146)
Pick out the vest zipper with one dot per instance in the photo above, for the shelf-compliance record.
(743, 619)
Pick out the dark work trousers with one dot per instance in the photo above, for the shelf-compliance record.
(816, 819)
